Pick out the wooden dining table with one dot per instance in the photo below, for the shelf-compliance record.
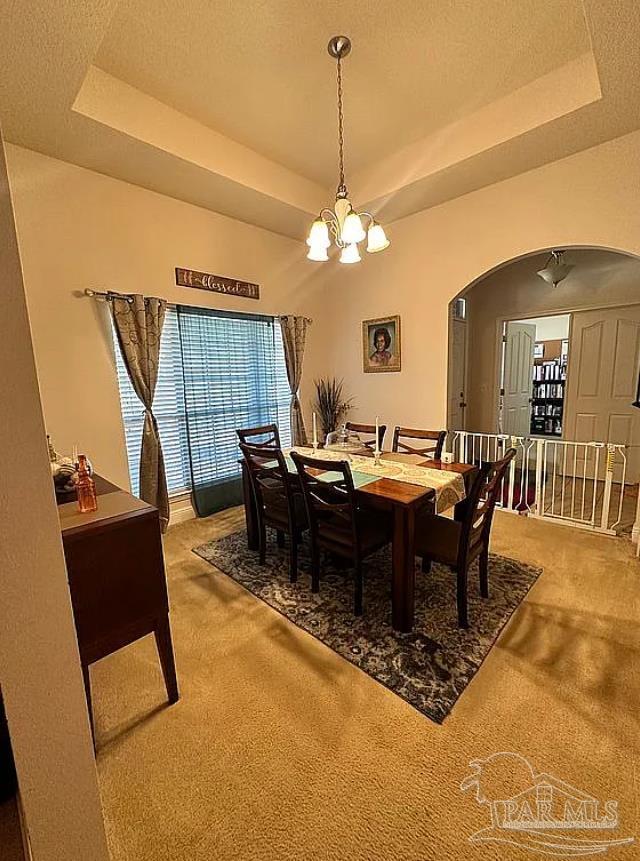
(403, 501)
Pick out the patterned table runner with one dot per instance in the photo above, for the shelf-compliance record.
(449, 486)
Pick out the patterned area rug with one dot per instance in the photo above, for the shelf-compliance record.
(431, 666)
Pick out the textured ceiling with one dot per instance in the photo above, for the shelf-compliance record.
(230, 105)
(260, 74)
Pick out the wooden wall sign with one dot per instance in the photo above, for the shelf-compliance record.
(216, 283)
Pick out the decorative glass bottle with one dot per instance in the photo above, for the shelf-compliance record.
(85, 486)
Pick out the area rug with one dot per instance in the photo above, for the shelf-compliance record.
(431, 666)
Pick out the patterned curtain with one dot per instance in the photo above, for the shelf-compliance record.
(294, 335)
(138, 322)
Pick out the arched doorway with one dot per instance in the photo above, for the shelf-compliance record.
(575, 385)
(600, 278)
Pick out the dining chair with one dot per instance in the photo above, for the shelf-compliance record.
(371, 430)
(278, 500)
(251, 435)
(436, 437)
(336, 523)
(457, 543)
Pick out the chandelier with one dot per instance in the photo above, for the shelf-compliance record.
(555, 269)
(344, 223)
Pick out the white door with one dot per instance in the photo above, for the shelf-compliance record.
(519, 344)
(602, 377)
(457, 375)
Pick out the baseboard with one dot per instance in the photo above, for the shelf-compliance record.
(180, 509)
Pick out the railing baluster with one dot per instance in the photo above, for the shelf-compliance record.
(573, 483)
(512, 476)
(584, 478)
(564, 477)
(596, 465)
(553, 479)
(539, 493)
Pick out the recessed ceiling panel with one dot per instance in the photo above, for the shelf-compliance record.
(258, 72)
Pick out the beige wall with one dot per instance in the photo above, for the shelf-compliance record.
(39, 662)
(79, 229)
(587, 199)
(598, 279)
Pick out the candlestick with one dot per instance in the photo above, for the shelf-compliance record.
(315, 433)
(376, 450)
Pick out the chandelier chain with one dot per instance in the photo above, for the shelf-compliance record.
(342, 189)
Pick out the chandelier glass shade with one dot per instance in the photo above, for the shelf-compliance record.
(342, 223)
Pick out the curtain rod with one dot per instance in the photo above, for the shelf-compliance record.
(109, 295)
(299, 316)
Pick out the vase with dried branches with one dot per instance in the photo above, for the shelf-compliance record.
(331, 404)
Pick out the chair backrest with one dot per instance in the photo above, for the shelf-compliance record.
(436, 439)
(371, 430)
(269, 478)
(481, 503)
(252, 435)
(331, 503)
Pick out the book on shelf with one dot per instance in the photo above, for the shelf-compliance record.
(549, 378)
(548, 390)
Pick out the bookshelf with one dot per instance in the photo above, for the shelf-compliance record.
(549, 384)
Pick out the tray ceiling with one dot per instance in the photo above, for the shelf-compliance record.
(231, 105)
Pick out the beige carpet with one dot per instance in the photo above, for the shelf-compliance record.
(279, 749)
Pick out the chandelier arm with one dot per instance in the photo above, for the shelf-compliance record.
(330, 213)
(334, 227)
(369, 216)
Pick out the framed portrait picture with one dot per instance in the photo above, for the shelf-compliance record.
(381, 345)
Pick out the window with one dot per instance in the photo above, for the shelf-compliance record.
(235, 376)
(459, 309)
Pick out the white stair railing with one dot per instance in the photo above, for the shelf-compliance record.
(583, 484)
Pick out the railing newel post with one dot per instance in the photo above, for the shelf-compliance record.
(635, 529)
(608, 483)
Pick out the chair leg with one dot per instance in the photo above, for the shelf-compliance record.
(262, 543)
(483, 565)
(293, 558)
(426, 564)
(357, 603)
(315, 569)
(461, 575)
(280, 538)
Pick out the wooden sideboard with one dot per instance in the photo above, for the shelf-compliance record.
(117, 579)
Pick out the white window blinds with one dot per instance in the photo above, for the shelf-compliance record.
(236, 377)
